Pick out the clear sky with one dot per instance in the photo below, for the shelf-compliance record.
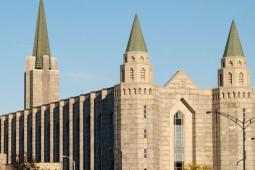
(89, 37)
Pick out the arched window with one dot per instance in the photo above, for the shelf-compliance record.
(141, 58)
(239, 63)
(142, 72)
(241, 78)
(131, 73)
(230, 63)
(133, 59)
(178, 142)
(230, 78)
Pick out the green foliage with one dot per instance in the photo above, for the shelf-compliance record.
(24, 164)
(198, 167)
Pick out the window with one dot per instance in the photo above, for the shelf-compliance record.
(145, 133)
(142, 72)
(145, 153)
(241, 78)
(131, 73)
(133, 59)
(230, 78)
(239, 63)
(178, 143)
(221, 82)
(230, 63)
(141, 58)
(123, 75)
(145, 111)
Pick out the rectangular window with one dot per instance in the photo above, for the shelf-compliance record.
(145, 111)
(145, 153)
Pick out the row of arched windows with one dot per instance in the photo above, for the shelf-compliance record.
(240, 78)
(239, 63)
(142, 74)
(132, 59)
(228, 95)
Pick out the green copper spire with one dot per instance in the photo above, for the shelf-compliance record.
(41, 43)
(136, 41)
(233, 47)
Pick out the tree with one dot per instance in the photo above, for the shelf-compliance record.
(24, 164)
(198, 167)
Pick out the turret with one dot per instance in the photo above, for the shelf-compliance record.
(136, 65)
(233, 71)
(41, 76)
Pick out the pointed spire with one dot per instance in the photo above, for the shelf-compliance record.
(41, 42)
(233, 47)
(136, 41)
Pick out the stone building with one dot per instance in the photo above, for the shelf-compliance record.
(136, 124)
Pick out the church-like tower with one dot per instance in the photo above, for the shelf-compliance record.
(133, 103)
(136, 67)
(234, 96)
(233, 71)
(42, 75)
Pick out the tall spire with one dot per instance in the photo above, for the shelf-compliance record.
(41, 42)
(136, 41)
(233, 47)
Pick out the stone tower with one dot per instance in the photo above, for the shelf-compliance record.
(136, 67)
(233, 96)
(41, 76)
(133, 98)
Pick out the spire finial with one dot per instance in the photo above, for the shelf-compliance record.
(136, 41)
(233, 47)
(41, 42)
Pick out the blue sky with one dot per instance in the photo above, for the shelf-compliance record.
(89, 37)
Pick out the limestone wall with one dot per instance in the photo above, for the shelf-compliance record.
(79, 128)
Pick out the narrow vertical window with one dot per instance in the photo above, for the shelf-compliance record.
(145, 153)
(178, 143)
(123, 75)
(230, 78)
(241, 78)
(131, 73)
(133, 59)
(145, 133)
(145, 111)
(141, 58)
(231, 63)
(221, 83)
(142, 72)
(239, 64)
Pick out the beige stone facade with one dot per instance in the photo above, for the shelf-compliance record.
(136, 124)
